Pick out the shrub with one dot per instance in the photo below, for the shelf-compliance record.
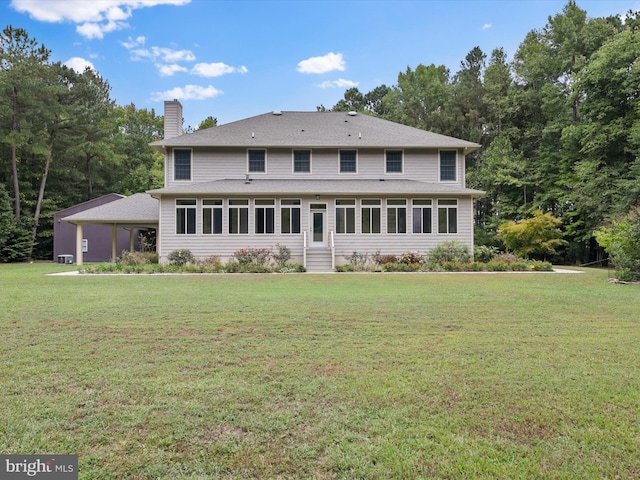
(402, 267)
(621, 242)
(410, 258)
(138, 258)
(484, 253)
(379, 259)
(180, 257)
(257, 256)
(451, 251)
(539, 235)
(357, 259)
(281, 254)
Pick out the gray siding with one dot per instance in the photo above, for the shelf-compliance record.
(231, 163)
(223, 245)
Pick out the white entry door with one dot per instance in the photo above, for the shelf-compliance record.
(318, 225)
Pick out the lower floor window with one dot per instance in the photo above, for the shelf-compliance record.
(422, 216)
(185, 217)
(396, 216)
(212, 217)
(447, 216)
(289, 216)
(370, 216)
(345, 216)
(265, 216)
(238, 216)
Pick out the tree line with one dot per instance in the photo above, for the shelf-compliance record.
(559, 125)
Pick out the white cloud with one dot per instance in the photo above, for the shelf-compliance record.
(216, 69)
(95, 17)
(188, 92)
(327, 63)
(79, 64)
(340, 83)
(169, 70)
(486, 26)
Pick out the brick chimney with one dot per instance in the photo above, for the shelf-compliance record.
(172, 119)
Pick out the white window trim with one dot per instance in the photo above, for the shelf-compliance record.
(265, 161)
(434, 208)
(249, 216)
(173, 165)
(406, 216)
(340, 172)
(222, 206)
(356, 217)
(447, 207)
(380, 206)
(456, 164)
(186, 207)
(293, 161)
(384, 166)
(280, 206)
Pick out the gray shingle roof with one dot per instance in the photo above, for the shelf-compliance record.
(315, 129)
(139, 209)
(316, 187)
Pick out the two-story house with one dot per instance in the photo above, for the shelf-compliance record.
(324, 184)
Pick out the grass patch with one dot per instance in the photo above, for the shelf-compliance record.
(322, 376)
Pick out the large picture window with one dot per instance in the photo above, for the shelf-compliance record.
(211, 217)
(182, 164)
(264, 216)
(289, 216)
(396, 216)
(370, 213)
(302, 161)
(393, 161)
(422, 216)
(345, 216)
(348, 161)
(447, 216)
(448, 165)
(257, 161)
(185, 217)
(238, 216)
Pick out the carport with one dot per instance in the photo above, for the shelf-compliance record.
(139, 211)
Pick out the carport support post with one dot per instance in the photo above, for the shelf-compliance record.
(114, 242)
(131, 239)
(79, 254)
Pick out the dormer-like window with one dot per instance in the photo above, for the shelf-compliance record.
(393, 161)
(448, 165)
(348, 161)
(257, 161)
(182, 164)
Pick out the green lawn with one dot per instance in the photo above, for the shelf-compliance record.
(531, 375)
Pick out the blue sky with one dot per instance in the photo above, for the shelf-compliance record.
(236, 59)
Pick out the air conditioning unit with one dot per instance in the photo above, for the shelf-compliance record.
(65, 258)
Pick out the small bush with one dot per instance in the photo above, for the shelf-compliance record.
(451, 251)
(180, 257)
(484, 253)
(138, 258)
(357, 259)
(257, 256)
(379, 259)
(281, 254)
(410, 258)
(402, 267)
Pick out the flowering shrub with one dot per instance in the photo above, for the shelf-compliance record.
(379, 259)
(451, 251)
(410, 258)
(281, 254)
(180, 257)
(257, 256)
(357, 259)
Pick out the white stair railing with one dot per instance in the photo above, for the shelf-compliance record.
(304, 249)
(333, 252)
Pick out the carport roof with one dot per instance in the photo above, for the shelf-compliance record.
(140, 210)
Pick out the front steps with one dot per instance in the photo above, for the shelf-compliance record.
(319, 260)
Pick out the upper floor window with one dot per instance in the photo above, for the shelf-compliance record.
(264, 216)
(396, 216)
(370, 212)
(345, 216)
(447, 216)
(257, 161)
(421, 216)
(393, 161)
(302, 161)
(448, 165)
(182, 164)
(211, 217)
(290, 216)
(185, 217)
(348, 161)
